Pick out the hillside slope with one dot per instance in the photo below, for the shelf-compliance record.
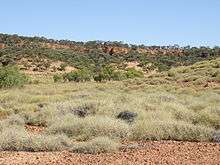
(42, 52)
(204, 74)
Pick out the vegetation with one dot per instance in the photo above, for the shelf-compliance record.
(78, 76)
(57, 78)
(10, 76)
(203, 74)
(94, 54)
(96, 146)
(180, 100)
(164, 112)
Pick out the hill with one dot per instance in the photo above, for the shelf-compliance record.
(201, 74)
(39, 54)
(162, 95)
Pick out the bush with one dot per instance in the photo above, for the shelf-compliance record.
(96, 146)
(10, 76)
(133, 73)
(57, 78)
(171, 73)
(104, 73)
(119, 75)
(63, 67)
(108, 73)
(78, 76)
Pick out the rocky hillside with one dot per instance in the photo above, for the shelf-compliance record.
(114, 47)
(39, 54)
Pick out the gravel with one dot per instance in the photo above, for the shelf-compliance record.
(152, 152)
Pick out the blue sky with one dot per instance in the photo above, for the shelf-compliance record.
(149, 22)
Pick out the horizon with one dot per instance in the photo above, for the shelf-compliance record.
(183, 23)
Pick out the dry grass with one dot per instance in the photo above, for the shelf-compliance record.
(157, 130)
(164, 111)
(17, 139)
(89, 127)
(96, 146)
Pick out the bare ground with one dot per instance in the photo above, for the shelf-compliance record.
(161, 152)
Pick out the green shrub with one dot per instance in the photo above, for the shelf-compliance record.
(104, 74)
(63, 66)
(10, 76)
(132, 73)
(108, 73)
(119, 75)
(78, 76)
(171, 73)
(57, 78)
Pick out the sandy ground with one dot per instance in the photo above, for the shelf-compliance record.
(163, 152)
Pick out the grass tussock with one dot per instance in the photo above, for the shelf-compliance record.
(164, 112)
(89, 127)
(17, 139)
(96, 146)
(158, 130)
(12, 121)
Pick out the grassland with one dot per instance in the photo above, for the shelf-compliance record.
(173, 105)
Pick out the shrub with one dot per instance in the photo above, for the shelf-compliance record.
(57, 78)
(63, 66)
(78, 76)
(96, 146)
(171, 73)
(104, 73)
(107, 74)
(10, 76)
(119, 75)
(132, 73)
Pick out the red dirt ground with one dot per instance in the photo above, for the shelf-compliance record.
(161, 152)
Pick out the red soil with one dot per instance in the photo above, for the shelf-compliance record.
(162, 152)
